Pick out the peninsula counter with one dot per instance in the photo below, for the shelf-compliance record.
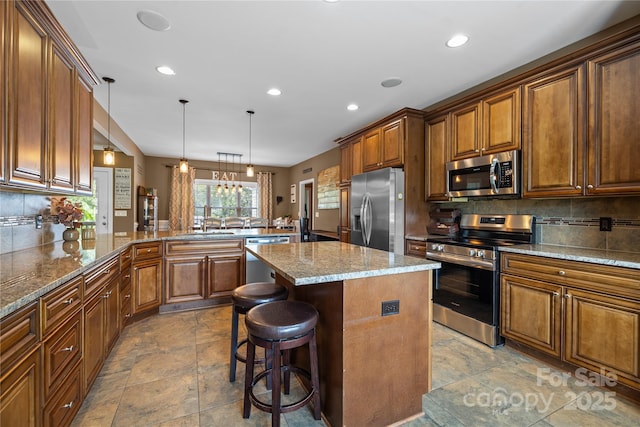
(374, 332)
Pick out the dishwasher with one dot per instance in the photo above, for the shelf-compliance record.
(256, 270)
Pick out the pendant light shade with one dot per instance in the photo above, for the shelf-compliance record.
(108, 156)
(219, 186)
(250, 171)
(184, 164)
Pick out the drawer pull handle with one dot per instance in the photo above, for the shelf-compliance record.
(148, 250)
(107, 271)
(68, 405)
(555, 294)
(567, 296)
(127, 276)
(127, 296)
(127, 315)
(67, 348)
(561, 273)
(68, 301)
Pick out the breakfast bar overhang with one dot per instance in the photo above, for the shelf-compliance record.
(374, 332)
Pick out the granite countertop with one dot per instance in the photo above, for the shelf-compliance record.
(28, 274)
(594, 256)
(321, 262)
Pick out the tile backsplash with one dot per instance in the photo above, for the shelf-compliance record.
(571, 222)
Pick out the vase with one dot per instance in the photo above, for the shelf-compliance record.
(70, 235)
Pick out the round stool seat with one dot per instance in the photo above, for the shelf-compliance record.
(252, 294)
(281, 320)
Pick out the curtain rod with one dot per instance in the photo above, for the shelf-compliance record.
(210, 170)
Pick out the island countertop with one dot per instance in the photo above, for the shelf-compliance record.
(320, 262)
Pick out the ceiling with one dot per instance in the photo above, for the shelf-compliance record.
(322, 56)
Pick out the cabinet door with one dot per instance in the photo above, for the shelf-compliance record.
(61, 136)
(603, 332)
(112, 315)
(224, 274)
(60, 352)
(146, 285)
(84, 142)
(27, 102)
(184, 279)
(4, 79)
(437, 149)
(614, 128)
(356, 157)
(530, 313)
(371, 150)
(345, 162)
(392, 146)
(553, 140)
(465, 132)
(501, 122)
(345, 212)
(94, 328)
(20, 394)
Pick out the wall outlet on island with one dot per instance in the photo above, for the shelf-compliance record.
(390, 307)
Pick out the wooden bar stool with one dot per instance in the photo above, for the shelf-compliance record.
(279, 327)
(244, 298)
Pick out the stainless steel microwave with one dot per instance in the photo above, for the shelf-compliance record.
(491, 175)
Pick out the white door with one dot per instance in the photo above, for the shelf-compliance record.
(103, 182)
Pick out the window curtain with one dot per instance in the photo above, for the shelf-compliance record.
(265, 194)
(181, 208)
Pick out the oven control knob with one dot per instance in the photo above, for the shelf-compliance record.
(440, 248)
(434, 246)
(472, 252)
(480, 254)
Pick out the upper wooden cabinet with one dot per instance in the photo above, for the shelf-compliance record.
(383, 147)
(437, 134)
(4, 6)
(490, 125)
(553, 138)
(47, 103)
(614, 127)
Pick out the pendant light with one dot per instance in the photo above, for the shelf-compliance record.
(239, 174)
(184, 164)
(233, 173)
(226, 169)
(219, 187)
(250, 166)
(108, 155)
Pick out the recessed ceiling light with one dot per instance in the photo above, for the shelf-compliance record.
(153, 20)
(274, 91)
(167, 71)
(352, 107)
(391, 82)
(457, 40)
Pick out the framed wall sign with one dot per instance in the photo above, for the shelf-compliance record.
(293, 193)
(122, 189)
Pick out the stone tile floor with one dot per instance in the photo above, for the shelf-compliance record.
(172, 370)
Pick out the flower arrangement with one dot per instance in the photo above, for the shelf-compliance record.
(68, 213)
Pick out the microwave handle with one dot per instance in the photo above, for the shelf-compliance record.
(494, 174)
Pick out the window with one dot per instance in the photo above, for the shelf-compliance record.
(242, 204)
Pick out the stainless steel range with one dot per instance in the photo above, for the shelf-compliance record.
(466, 294)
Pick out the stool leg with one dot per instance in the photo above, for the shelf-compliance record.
(248, 378)
(234, 345)
(315, 377)
(268, 361)
(287, 372)
(275, 391)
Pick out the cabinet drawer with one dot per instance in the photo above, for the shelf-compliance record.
(61, 351)
(147, 250)
(57, 305)
(18, 335)
(125, 259)
(101, 275)
(185, 247)
(416, 248)
(601, 278)
(125, 305)
(65, 403)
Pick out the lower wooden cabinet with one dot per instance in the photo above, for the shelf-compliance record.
(65, 403)
(20, 393)
(416, 248)
(584, 314)
(146, 277)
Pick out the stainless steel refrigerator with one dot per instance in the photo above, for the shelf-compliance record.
(377, 210)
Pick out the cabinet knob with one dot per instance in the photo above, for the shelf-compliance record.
(578, 187)
(127, 276)
(561, 273)
(66, 349)
(127, 315)
(590, 187)
(148, 250)
(68, 301)
(127, 296)
(555, 294)
(567, 296)
(107, 271)
(68, 405)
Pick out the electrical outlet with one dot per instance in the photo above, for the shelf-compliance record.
(605, 223)
(390, 307)
(38, 222)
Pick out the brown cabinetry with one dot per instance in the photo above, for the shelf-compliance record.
(146, 277)
(584, 314)
(345, 214)
(203, 270)
(490, 125)
(49, 100)
(20, 372)
(4, 7)
(437, 133)
(383, 147)
(126, 307)
(416, 248)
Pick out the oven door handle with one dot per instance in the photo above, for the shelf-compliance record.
(462, 260)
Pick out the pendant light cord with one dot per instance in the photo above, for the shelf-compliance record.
(109, 80)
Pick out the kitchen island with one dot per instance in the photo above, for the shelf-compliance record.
(374, 332)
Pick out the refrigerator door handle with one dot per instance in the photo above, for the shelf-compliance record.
(366, 218)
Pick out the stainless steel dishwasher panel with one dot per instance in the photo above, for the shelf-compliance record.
(256, 270)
